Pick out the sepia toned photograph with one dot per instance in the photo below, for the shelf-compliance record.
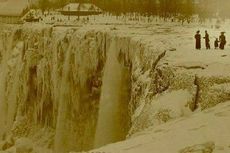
(114, 76)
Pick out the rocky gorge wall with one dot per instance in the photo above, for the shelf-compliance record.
(75, 89)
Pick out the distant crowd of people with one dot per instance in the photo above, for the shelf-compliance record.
(218, 43)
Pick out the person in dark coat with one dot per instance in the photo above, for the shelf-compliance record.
(222, 40)
(207, 40)
(216, 43)
(198, 40)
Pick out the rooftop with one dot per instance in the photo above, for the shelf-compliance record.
(81, 7)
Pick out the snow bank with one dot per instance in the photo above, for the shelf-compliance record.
(202, 132)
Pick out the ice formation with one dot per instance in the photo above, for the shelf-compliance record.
(56, 81)
(113, 118)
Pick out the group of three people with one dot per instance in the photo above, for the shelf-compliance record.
(222, 40)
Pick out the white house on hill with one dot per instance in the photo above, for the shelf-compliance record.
(11, 11)
(81, 9)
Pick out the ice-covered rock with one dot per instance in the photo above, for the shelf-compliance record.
(24, 145)
(200, 148)
(163, 108)
(7, 143)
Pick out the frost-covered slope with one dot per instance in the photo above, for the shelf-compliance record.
(206, 131)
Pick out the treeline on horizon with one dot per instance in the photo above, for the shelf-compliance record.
(184, 9)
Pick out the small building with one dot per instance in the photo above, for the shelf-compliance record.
(11, 11)
(80, 9)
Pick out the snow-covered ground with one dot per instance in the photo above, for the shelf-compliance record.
(206, 131)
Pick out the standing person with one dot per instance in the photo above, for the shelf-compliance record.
(198, 40)
(222, 40)
(207, 40)
(216, 43)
